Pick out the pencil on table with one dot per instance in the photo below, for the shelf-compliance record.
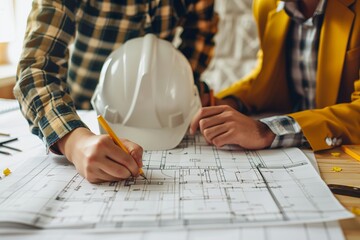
(5, 153)
(12, 148)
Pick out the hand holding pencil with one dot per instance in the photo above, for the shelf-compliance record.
(98, 158)
(113, 136)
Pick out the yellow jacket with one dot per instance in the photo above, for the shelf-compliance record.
(265, 89)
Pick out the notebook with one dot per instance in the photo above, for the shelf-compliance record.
(7, 105)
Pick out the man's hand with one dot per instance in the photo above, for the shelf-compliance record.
(98, 158)
(223, 125)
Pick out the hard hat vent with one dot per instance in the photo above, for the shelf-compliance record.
(112, 115)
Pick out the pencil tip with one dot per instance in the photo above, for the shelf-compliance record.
(144, 177)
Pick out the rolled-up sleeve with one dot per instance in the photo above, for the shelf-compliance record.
(41, 87)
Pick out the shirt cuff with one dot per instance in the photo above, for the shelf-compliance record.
(287, 130)
(56, 123)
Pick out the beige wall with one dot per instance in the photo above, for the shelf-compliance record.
(236, 44)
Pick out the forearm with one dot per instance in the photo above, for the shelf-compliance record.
(67, 142)
(41, 87)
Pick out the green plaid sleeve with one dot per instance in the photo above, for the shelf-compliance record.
(41, 87)
(199, 28)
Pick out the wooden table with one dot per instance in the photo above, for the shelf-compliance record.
(350, 175)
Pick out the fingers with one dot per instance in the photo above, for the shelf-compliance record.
(245, 132)
(210, 122)
(212, 132)
(223, 139)
(99, 176)
(222, 125)
(112, 171)
(120, 166)
(204, 113)
(135, 151)
(106, 169)
(98, 158)
(116, 154)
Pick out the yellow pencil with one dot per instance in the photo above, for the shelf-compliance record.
(352, 150)
(117, 141)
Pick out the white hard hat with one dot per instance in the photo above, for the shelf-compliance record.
(147, 93)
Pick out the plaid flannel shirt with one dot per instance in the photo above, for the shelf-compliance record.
(67, 42)
(302, 55)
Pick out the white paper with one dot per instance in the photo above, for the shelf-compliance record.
(32, 189)
(14, 123)
(314, 231)
(194, 185)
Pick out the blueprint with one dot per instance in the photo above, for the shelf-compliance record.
(313, 231)
(192, 185)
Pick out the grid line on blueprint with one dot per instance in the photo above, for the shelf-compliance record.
(191, 185)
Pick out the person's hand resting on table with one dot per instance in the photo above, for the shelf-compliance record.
(223, 125)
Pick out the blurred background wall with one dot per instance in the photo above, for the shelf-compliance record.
(236, 44)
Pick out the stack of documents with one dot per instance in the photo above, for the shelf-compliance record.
(7, 105)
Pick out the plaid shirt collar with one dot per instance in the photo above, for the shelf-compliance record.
(292, 9)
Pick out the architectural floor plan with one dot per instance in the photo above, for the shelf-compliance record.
(192, 185)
